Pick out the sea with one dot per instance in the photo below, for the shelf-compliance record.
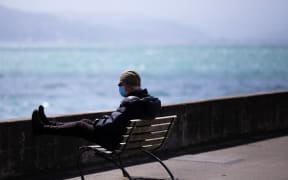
(73, 78)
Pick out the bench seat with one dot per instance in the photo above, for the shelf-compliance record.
(141, 135)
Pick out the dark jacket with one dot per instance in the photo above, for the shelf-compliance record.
(139, 104)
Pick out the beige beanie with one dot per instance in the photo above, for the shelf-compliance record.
(131, 78)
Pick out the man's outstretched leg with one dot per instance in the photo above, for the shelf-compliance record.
(83, 128)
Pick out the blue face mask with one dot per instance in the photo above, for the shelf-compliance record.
(122, 91)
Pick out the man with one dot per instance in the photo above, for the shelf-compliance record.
(106, 131)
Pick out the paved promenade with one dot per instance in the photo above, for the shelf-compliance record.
(263, 160)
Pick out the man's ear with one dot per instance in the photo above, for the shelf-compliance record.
(128, 89)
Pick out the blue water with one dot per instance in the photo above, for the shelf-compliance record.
(81, 78)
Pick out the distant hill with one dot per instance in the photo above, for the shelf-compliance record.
(22, 26)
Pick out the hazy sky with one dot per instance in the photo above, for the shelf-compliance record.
(246, 18)
(174, 9)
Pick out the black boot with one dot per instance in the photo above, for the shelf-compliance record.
(42, 115)
(44, 118)
(37, 124)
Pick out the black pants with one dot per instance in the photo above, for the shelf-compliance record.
(83, 128)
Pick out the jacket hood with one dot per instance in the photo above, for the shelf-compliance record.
(150, 106)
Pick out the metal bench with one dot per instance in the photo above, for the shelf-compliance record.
(141, 135)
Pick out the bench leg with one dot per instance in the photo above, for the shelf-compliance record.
(124, 172)
(119, 165)
(79, 166)
(159, 160)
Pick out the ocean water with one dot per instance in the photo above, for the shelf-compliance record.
(82, 78)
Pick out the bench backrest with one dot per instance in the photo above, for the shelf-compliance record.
(147, 133)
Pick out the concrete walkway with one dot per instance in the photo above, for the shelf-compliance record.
(263, 160)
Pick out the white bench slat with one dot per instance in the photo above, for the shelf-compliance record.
(143, 136)
(136, 150)
(137, 144)
(100, 148)
(145, 129)
(159, 120)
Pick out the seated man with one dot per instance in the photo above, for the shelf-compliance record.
(106, 131)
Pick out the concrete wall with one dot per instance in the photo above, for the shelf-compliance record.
(22, 153)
